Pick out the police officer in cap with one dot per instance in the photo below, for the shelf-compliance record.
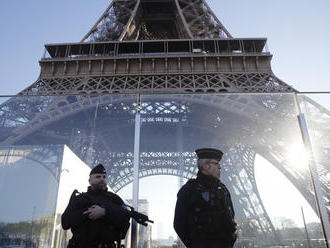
(97, 218)
(204, 213)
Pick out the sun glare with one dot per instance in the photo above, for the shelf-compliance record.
(297, 156)
(279, 196)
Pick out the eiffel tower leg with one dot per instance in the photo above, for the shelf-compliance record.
(98, 22)
(126, 29)
(183, 19)
(200, 20)
(111, 25)
(239, 167)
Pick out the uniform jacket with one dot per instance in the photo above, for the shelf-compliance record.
(88, 233)
(198, 218)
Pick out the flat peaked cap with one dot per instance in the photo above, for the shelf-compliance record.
(209, 153)
(99, 169)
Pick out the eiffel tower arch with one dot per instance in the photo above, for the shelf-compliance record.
(170, 59)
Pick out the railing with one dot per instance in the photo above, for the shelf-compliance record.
(156, 48)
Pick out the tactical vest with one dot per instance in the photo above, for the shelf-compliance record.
(211, 214)
(91, 233)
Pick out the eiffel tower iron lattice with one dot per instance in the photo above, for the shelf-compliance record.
(157, 20)
(161, 47)
(157, 46)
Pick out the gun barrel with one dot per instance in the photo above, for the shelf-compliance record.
(139, 217)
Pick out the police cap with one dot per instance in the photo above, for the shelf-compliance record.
(209, 153)
(99, 169)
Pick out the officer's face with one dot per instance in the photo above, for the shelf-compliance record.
(213, 168)
(98, 181)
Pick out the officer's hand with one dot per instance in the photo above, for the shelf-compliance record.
(95, 212)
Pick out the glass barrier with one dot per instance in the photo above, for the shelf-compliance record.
(49, 143)
(47, 146)
(316, 110)
(3, 99)
(29, 176)
(263, 166)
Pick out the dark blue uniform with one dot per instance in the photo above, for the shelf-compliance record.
(204, 214)
(101, 232)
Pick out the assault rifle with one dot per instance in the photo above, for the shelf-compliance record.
(139, 217)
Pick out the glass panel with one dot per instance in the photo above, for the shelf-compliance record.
(3, 99)
(29, 178)
(94, 129)
(316, 108)
(264, 164)
(47, 145)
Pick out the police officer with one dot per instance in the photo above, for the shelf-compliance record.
(97, 218)
(204, 214)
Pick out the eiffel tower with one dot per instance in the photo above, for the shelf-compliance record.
(157, 49)
(157, 46)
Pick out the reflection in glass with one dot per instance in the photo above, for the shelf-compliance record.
(243, 126)
(94, 129)
(29, 178)
(315, 108)
(318, 120)
(48, 144)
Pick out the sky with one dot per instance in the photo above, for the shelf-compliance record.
(297, 31)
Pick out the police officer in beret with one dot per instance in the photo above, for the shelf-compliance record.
(97, 218)
(204, 213)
